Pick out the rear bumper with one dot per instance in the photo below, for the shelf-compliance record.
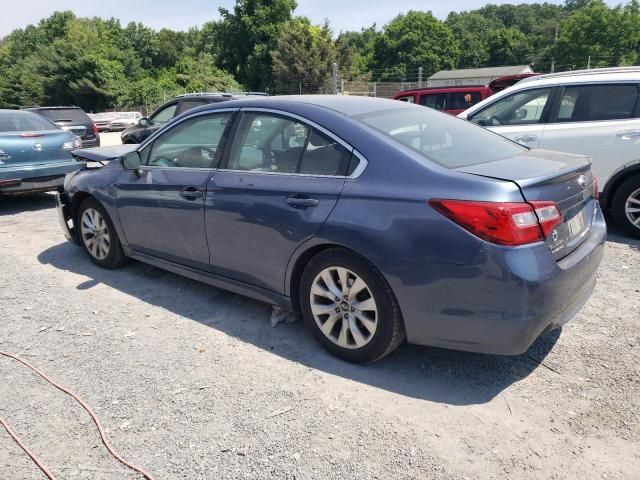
(63, 208)
(36, 178)
(503, 301)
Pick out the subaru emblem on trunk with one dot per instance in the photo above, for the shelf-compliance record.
(582, 181)
(37, 147)
(555, 236)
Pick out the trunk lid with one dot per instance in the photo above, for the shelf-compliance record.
(562, 178)
(19, 148)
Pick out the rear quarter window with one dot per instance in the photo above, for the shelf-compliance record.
(591, 103)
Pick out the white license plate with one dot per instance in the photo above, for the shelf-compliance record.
(576, 225)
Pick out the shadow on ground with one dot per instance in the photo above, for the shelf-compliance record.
(432, 374)
(10, 205)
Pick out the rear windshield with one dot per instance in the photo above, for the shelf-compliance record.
(24, 122)
(68, 115)
(444, 139)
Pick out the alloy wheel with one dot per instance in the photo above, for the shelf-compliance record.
(95, 233)
(343, 307)
(632, 208)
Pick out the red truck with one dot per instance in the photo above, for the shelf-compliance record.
(455, 100)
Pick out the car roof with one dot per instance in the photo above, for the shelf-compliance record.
(52, 108)
(457, 88)
(584, 76)
(343, 104)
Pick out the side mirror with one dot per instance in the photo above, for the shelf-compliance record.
(521, 114)
(144, 122)
(131, 161)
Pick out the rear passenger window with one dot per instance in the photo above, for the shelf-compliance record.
(271, 143)
(462, 100)
(590, 103)
(435, 101)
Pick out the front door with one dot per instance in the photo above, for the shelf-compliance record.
(277, 186)
(520, 116)
(161, 207)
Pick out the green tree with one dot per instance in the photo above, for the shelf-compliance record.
(248, 34)
(303, 58)
(472, 31)
(414, 40)
(356, 51)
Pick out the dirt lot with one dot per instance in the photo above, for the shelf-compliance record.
(193, 382)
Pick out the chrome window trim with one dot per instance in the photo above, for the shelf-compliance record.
(171, 126)
(356, 173)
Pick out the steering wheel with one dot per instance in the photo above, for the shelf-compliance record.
(201, 153)
(495, 121)
(162, 162)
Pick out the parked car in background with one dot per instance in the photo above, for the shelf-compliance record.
(35, 154)
(146, 126)
(454, 100)
(591, 112)
(376, 219)
(72, 119)
(102, 120)
(124, 120)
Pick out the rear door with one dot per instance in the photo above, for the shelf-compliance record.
(279, 183)
(599, 120)
(520, 116)
(161, 209)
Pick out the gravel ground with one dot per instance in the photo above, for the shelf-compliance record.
(110, 138)
(193, 382)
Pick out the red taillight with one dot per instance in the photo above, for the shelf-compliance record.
(95, 129)
(502, 223)
(596, 190)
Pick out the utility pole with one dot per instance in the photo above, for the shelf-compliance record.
(420, 77)
(589, 63)
(553, 59)
(334, 75)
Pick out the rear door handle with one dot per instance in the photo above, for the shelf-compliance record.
(302, 201)
(628, 134)
(526, 138)
(191, 193)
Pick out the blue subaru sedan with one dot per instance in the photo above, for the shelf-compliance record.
(378, 221)
(35, 154)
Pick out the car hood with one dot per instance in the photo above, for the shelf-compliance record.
(103, 154)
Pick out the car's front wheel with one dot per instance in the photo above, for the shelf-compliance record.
(98, 235)
(626, 206)
(349, 307)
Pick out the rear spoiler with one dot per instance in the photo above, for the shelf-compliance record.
(102, 154)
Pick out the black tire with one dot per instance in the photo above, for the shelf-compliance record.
(115, 256)
(630, 187)
(389, 333)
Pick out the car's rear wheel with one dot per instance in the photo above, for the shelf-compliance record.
(98, 235)
(349, 307)
(626, 206)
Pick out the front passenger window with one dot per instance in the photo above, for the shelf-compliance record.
(164, 115)
(521, 108)
(190, 144)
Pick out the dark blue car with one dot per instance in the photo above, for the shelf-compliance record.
(376, 220)
(35, 154)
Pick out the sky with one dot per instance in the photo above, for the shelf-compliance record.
(180, 15)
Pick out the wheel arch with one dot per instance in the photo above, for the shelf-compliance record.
(609, 191)
(76, 201)
(299, 261)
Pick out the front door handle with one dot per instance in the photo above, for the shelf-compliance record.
(526, 138)
(191, 193)
(628, 134)
(302, 201)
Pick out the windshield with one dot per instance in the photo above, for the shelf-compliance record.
(24, 122)
(444, 139)
(126, 115)
(68, 115)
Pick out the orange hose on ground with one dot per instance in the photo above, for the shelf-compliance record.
(89, 411)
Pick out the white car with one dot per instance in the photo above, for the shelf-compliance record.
(124, 120)
(591, 112)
